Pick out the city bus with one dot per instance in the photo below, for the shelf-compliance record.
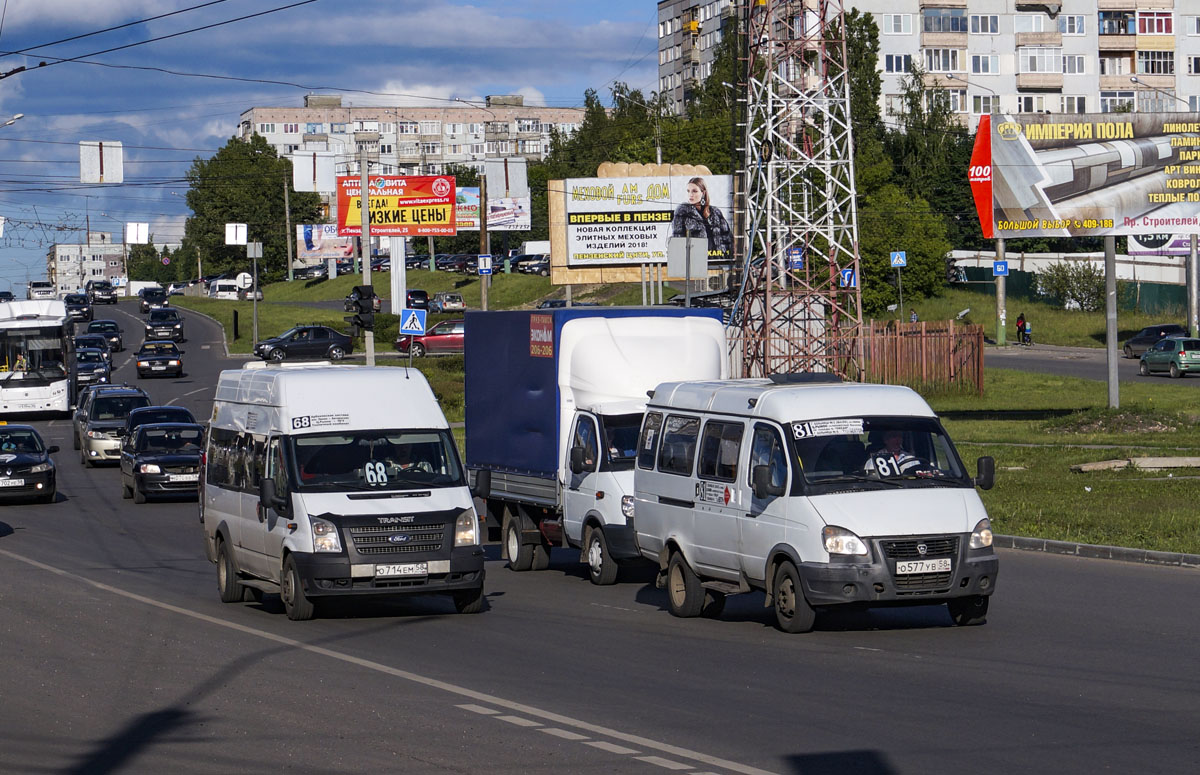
(37, 358)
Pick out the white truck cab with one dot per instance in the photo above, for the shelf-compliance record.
(818, 493)
(324, 481)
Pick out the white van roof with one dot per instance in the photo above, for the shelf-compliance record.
(320, 398)
(790, 402)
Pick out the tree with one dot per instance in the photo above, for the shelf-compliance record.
(243, 183)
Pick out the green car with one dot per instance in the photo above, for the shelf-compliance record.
(1177, 356)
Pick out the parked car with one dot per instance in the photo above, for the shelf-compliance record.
(165, 323)
(159, 358)
(540, 266)
(417, 299)
(226, 290)
(311, 341)
(447, 301)
(152, 298)
(440, 259)
(79, 309)
(28, 470)
(101, 292)
(556, 303)
(1174, 355)
(161, 459)
(442, 338)
(518, 262)
(1145, 338)
(312, 272)
(99, 422)
(156, 414)
(381, 264)
(110, 331)
(416, 262)
(94, 342)
(91, 367)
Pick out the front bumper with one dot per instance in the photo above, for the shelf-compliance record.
(107, 448)
(32, 485)
(162, 484)
(334, 575)
(175, 335)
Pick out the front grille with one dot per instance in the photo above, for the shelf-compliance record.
(906, 549)
(373, 539)
(922, 580)
(182, 470)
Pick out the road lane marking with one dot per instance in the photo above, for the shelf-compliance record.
(563, 733)
(664, 763)
(432, 683)
(478, 709)
(185, 395)
(520, 721)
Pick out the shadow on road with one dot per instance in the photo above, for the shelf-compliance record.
(841, 763)
(5, 529)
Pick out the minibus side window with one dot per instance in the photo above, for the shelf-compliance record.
(585, 436)
(678, 445)
(276, 469)
(648, 443)
(719, 448)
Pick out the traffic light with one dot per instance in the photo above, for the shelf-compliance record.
(363, 302)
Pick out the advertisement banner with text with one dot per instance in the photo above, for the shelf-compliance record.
(319, 242)
(630, 220)
(511, 214)
(1077, 175)
(400, 206)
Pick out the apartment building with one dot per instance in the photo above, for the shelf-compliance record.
(71, 265)
(689, 32)
(1065, 56)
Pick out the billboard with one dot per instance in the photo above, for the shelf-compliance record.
(629, 220)
(1159, 245)
(505, 214)
(316, 243)
(400, 205)
(1076, 175)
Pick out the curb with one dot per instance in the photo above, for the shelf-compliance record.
(1098, 552)
(217, 323)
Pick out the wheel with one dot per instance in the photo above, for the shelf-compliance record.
(1128, 351)
(1143, 369)
(277, 354)
(544, 273)
(83, 458)
(336, 353)
(48, 497)
(297, 605)
(417, 349)
(227, 581)
(966, 611)
(602, 568)
(792, 611)
(519, 556)
(139, 496)
(1175, 372)
(469, 601)
(685, 596)
(126, 491)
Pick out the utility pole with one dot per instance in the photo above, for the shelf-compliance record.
(1110, 320)
(484, 280)
(429, 239)
(287, 216)
(365, 243)
(1001, 301)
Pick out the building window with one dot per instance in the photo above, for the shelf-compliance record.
(529, 124)
(1117, 22)
(942, 60)
(1035, 23)
(1154, 23)
(897, 24)
(985, 64)
(897, 63)
(1191, 25)
(454, 129)
(944, 20)
(985, 25)
(1114, 101)
(337, 129)
(1071, 25)
(407, 128)
(266, 129)
(1031, 103)
(478, 148)
(291, 129)
(1194, 104)
(530, 146)
(408, 149)
(1115, 65)
(1156, 62)
(1073, 64)
(984, 103)
(1073, 104)
(385, 147)
(1039, 59)
(313, 129)
(433, 149)
(1157, 102)
(430, 127)
(1193, 65)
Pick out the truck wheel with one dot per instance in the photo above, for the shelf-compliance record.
(792, 611)
(966, 611)
(685, 596)
(519, 556)
(469, 601)
(602, 568)
(227, 582)
(297, 605)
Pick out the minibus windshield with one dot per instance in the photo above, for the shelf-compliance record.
(375, 460)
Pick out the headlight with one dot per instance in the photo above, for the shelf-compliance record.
(325, 536)
(40, 468)
(149, 468)
(97, 435)
(465, 528)
(173, 363)
(627, 506)
(839, 540)
(981, 536)
(142, 364)
(102, 379)
(179, 325)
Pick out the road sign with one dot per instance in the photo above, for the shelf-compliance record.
(235, 234)
(999, 269)
(412, 322)
(244, 281)
(166, 261)
(847, 278)
(485, 263)
(899, 259)
(795, 257)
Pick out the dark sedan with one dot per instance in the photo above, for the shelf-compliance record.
(91, 367)
(94, 342)
(161, 459)
(152, 298)
(159, 359)
(312, 341)
(1146, 338)
(110, 331)
(164, 324)
(147, 415)
(26, 470)
(79, 309)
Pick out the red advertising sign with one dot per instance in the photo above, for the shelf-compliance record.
(980, 175)
(541, 336)
(400, 206)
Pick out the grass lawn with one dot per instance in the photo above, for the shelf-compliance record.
(272, 318)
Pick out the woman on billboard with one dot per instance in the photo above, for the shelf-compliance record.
(698, 218)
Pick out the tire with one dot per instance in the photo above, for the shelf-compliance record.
(126, 491)
(277, 355)
(417, 349)
(336, 353)
(1143, 369)
(83, 458)
(602, 568)
(1175, 372)
(519, 556)
(139, 497)
(968, 611)
(792, 612)
(1128, 351)
(544, 273)
(297, 605)
(685, 596)
(469, 601)
(227, 581)
(48, 497)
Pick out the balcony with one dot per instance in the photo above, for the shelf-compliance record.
(1155, 42)
(1116, 82)
(943, 40)
(1039, 81)
(943, 3)
(1053, 38)
(1118, 42)
(1164, 82)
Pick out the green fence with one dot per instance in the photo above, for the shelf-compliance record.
(1149, 298)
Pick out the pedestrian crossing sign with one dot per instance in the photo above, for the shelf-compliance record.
(412, 321)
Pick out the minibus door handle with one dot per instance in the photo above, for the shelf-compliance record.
(676, 502)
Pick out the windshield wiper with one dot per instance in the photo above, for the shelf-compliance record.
(856, 478)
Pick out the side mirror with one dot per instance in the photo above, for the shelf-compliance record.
(268, 496)
(986, 473)
(51, 450)
(761, 477)
(577, 460)
(483, 484)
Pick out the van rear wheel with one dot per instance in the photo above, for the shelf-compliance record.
(792, 611)
(296, 604)
(685, 596)
(227, 582)
(602, 568)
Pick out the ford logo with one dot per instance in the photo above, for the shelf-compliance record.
(400, 538)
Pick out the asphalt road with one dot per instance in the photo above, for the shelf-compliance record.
(119, 657)
(1083, 362)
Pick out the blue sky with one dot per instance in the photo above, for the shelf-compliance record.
(411, 52)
